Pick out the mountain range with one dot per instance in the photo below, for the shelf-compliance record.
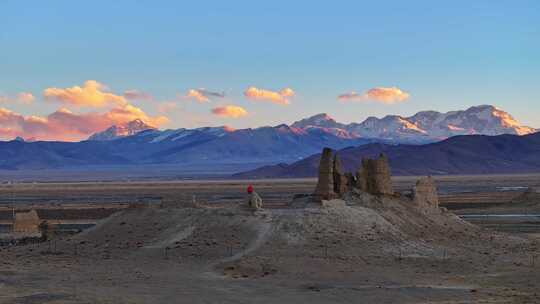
(474, 154)
(424, 127)
(138, 143)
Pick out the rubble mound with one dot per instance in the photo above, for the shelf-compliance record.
(348, 228)
(235, 241)
(353, 222)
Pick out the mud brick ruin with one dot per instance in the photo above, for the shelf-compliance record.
(425, 195)
(26, 222)
(325, 185)
(373, 177)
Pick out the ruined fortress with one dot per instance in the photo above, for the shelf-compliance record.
(372, 177)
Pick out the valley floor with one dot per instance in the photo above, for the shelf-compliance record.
(222, 254)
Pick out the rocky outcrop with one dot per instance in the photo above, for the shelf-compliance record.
(425, 195)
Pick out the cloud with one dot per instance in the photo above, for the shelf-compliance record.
(167, 106)
(92, 94)
(281, 97)
(351, 96)
(230, 111)
(203, 95)
(384, 95)
(137, 95)
(387, 95)
(66, 125)
(22, 98)
(8, 133)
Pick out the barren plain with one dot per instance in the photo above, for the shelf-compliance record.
(192, 242)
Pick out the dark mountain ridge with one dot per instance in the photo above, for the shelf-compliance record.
(473, 154)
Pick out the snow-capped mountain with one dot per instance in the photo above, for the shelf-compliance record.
(322, 120)
(137, 143)
(118, 131)
(486, 120)
(426, 126)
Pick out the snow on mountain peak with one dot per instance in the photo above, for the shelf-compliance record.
(117, 131)
(427, 126)
(320, 120)
(423, 127)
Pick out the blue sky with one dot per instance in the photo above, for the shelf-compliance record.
(446, 56)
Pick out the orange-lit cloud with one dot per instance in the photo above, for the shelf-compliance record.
(65, 125)
(281, 97)
(387, 95)
(380, 94)
(91, 94)
(8, 133)
(22, 98)
(230, 111)
(203, 95)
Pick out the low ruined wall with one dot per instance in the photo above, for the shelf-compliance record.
(26, 222)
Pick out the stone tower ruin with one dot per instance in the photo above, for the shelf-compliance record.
(325, 184)
(425, 195)
(340, 180)
(374, 176)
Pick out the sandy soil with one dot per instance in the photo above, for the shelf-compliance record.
(278, 191)
(369, 251)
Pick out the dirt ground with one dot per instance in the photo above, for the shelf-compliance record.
(278, 191)
(353, 252)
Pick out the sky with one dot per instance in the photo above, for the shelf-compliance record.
(71, 68)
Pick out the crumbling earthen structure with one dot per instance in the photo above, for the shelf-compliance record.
(425, 195)
(27, 222)
(340, 180)
(373, 177)
(325, 185)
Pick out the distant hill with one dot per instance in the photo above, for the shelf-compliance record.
(475, 154)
